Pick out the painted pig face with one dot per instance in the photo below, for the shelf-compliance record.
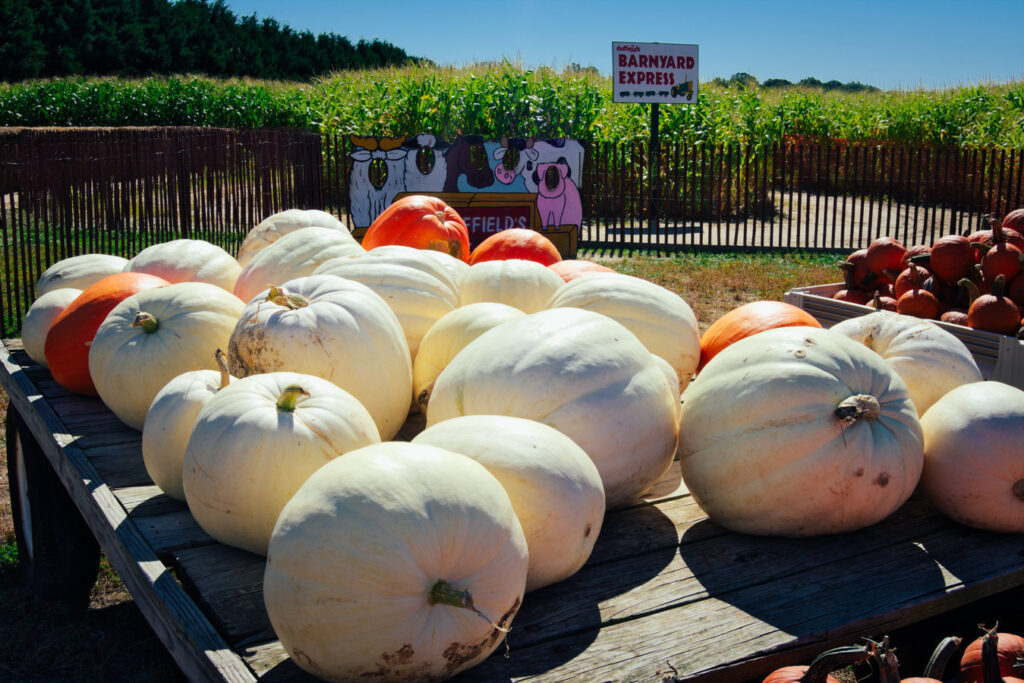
(550, 178)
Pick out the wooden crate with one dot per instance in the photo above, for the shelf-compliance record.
(1000, 357)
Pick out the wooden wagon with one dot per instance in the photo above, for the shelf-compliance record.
(666, 595)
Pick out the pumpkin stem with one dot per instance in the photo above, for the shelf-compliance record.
(147, 322)
(222, 365)
(423, 398)
(939, 660)
(990, 655)
(286, 401)
(830, 660)
(972, 289)
(1018, 489)
(443, 593)
(888, 664)
(282, 297)
(855, 407)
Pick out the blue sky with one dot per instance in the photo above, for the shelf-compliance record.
(894, 44)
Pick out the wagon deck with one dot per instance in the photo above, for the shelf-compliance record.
(666, 594)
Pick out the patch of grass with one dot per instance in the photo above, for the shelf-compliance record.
(8, 554)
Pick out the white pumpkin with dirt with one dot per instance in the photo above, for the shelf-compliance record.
(396, 561)
(799, 431)
(333, 328)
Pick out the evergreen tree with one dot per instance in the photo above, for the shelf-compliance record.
(22, 53)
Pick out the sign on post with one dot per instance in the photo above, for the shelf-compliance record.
(652, 73)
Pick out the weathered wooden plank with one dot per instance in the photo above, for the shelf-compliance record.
(272, 664)
(120, 465)
(172, 531)
(147, 501)
(195, 645)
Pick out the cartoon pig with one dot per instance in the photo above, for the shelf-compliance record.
(558, 199)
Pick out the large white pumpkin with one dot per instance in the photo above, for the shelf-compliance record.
(39, 318)
(973, 464)
(418, 290)
(185, 260)
(396, 562)
(661, 319)
(276, 226)
(448, 336)
(296, 254)
(169, 423)
(456, 267)
(152, 337)
(256, 441)
(526, 285)
(583, 374)
(929, 359)
(333, 328)
(78, 272)
(799, 431)
(554, 486)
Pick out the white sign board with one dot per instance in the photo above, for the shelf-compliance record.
(654, 72)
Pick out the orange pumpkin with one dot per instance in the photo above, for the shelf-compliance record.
(749, 319)
(67, 342)
(516, 243)
(570, 269)
(420, 222)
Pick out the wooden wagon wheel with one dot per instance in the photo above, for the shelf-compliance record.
(58, 554)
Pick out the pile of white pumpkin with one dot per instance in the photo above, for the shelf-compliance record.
(545, 404)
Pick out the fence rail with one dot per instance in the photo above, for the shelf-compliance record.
(116, 190)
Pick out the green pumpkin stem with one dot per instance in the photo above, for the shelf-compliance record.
(222, 365)
(288, 398)
(147, 322)
(444, 593)
(282, 297)
(837, 657)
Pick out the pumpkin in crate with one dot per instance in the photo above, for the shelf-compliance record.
(554, 486)
(422, 222)
(39, 319)
(169, 421)
(580, 372)
(334, 328)
(70, 336)
(79, 272)
(256, 441)
(397, 557)
(749, 319)
(799, 431)
(516, 243)
(526, 285)
(152, 337)
(973, 471)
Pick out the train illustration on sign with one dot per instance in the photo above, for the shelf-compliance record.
(684, 89)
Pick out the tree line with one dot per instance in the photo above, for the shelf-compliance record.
(746, 81)
(48, 38)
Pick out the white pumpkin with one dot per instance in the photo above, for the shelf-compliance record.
(276, 226)
(420, 259)
(78, 272)
(39, 318)
(799, 431)
(169, 421)
(929, 359)
(417, 290)
(256, 441)
(409, 556)
(526, 285)
(973, 469)
(554, 486)
(296, 254)
(660, 318)
(333, 328)
(448, 336)
(185, 260)
(583, 374)
(152, 337)
(456, 267)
